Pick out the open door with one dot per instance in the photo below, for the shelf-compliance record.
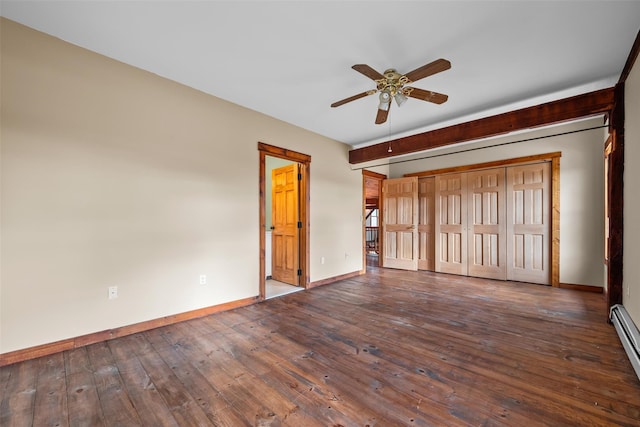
(303, 162)
(400, 223)
(285, 224)
(372, 239)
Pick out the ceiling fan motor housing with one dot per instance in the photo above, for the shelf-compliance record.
(392, 82)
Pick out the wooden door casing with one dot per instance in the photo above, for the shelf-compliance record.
(399, 227)
(426, 223)
(285, 218)
(486, 224)
(451, 222)
(528, 201)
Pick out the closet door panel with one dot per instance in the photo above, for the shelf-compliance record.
(426, 223)
(451, 220)
(487, 227)
(400, 218)
(528, 227)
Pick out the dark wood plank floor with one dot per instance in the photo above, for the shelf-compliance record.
(390, 348)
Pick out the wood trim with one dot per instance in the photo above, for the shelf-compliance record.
(489, 165)
(608, 146)
(262, 229)
(373, 174)
(284, 153)
(616, 201)
(583, 288)
(562, 110)
(305, 214)
(631, 59)
(334, 279)
(304, 161)
(555, 222)
(84, 340)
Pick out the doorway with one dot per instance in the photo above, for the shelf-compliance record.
(284, 237)
(372, 208)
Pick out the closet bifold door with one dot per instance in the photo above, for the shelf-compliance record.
(486, 224)
(528, 225)
(400, 221)
(451, 224)
(426, 223)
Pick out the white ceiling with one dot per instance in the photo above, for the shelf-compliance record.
(291, 60)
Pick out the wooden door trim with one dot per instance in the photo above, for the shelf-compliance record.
(616, 201)
(555, 222)
(304, 190)
(372, 174)
(536, 158)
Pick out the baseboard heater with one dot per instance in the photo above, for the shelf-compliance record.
(628, 333)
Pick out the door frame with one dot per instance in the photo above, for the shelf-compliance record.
(304, 161)
(368, 175)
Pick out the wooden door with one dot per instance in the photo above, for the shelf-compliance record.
(486, 224)
(285, 222)
(451, 223)
(400, 219)
(528, 227)
(426, 223)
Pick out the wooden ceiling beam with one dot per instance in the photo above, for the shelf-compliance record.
(588, 104)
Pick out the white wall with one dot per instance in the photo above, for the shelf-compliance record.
(112, 176)
(581, 188)
(631, 237)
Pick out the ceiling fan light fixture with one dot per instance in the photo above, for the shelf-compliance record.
(392, 84)
(400, 98)
(385, 100)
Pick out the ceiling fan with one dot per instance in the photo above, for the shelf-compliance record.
(392, 84)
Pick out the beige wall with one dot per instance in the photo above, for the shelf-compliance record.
(581, 188)
(631, 238)
(112, 176)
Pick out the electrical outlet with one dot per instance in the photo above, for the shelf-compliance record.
(203, 279)
(113, 292)
(321, 260)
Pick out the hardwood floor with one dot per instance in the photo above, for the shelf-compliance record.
(389, 348)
